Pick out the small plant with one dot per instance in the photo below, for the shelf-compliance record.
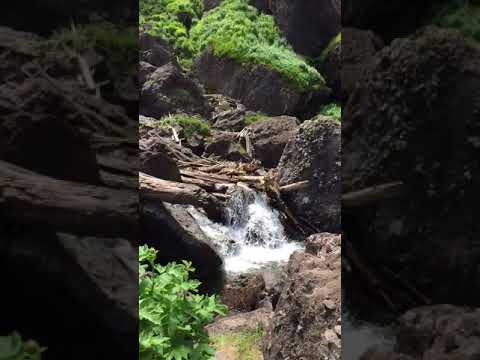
(190, 124)
(253, 118)
(13, 347)
(245, 345)
(333, 110)
(172, 313)
(331, 45)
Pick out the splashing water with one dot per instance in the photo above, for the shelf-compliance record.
(253, 235)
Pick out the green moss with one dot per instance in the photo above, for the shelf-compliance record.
(245, 345)
(253, 118)
(460, 15)
(332, 110)
(331, 45)
(190, 124)
(238, 31)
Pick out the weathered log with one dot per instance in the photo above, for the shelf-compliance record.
(152, 188)
(373, 194)
(295, 186)
(28, 197)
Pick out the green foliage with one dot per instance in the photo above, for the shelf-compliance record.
(13, 347)
(253, 118)
(333, 110)
(332, 44)
(172, 313)
(247, 344)
(461, 15)
(190, 124)
(237, 30)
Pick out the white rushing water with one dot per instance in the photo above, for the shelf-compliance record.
(253, 236)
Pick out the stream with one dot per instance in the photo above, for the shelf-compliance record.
(254, 237)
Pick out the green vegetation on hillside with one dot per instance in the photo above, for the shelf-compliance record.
(172, 313)
(234, 29)
(461, 15)
(190, 124)
(253, 118)
(333, 110)
(245, 345)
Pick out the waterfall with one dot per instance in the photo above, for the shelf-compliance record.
(253, 235)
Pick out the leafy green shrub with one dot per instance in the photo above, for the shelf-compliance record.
(13, 347)
(172, 313)
(237, 30)
(333, 110)
(253, 118)
(190, 124)
(460, 15)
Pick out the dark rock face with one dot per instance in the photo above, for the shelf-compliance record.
(331, 68)
(429, 140)
(306, 321)
(225, 145)
(155, 51)
(308, 25)
(358, 49)
(154, 160)
(227, 114)
(269, 138)
(388, 19)
(256, 87)
(314, 155)
(168, 90)
(172, 230)
(440, 332)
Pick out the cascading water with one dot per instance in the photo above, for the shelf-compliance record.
(253, 235)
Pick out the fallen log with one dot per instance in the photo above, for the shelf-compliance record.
(373, 194)
(152, 188)
(295, 186)
(32, 198)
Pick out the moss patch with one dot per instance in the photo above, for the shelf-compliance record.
(332, 110)
(245, 345)
(253, 118)
(190, 124)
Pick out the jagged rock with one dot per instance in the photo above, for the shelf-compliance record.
(174, 232)
(358, 49)
(226, 146)
(308, 25)
(322, 244)
(155, 51)
(307, 317)
(331, 66)
(270, 136)
(314, 155)
(144, 71)
(168, 90)
(256, 87)
(429, 140)
(243, 293)
(227, 114)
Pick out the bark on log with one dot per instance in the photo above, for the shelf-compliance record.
(152, 188)
(372, 194)
(28, 197)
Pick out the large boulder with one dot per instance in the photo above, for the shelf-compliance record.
(270, 136)
(155, 51)
(175, 233)
(314, 155)
(169, 90)
(227, 113)
(226, 146)
(413, 117)
(358, 50)
(255, 86)
(308, 25)
(306, 322)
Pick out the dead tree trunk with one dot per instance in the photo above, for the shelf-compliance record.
(152, 188)
(29, 197)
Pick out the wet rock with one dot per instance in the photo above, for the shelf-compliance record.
(227, 114)
(168, 90)
(308, 312)
(358, 50)
(243, 293)
(225, 145)
(314, 155)
(427, 141)
(256, 87)
(174, 232)
(308, 25)
(269, 138)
